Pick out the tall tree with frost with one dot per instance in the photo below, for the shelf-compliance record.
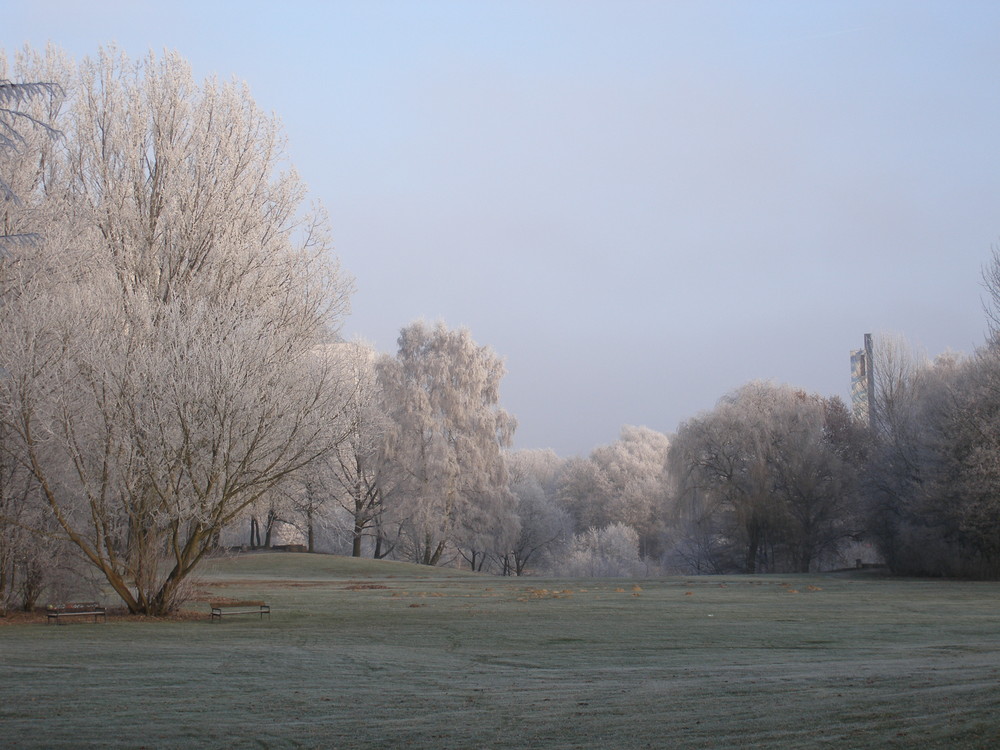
(445, 435)
(164, 361)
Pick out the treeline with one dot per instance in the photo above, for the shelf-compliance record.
(173, 384)
(773, 479)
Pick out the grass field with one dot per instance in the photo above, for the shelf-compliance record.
(363, 654)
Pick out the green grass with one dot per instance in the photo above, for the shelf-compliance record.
(447, 659)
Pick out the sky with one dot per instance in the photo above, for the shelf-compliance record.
(639, 205)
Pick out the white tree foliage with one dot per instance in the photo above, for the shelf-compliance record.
(608, 552)
(445, 436)
(624, 482)
(163, 356)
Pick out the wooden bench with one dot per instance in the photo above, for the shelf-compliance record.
(239, 608)
(74, 609)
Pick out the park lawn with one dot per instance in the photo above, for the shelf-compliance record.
(366, 654)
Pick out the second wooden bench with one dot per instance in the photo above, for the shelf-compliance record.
(239, 608)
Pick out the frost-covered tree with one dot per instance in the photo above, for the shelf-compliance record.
(26, 135)
(165, 358)
(900, 450)
(760, 483)
(545, 528)
(26, 110)
(635, 472)
(608, 552)
(352, 478)
(584, 492)
(624, 483)
(445, 435)
(960, 497)
(544, 524)
(935, 468)
(933, 473)
(19, 547)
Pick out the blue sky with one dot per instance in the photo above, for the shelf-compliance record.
(640, 205)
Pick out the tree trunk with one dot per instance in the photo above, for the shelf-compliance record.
(271, 518)
(520, 563)
(311, 532)
(3, 589)
(805, 560)
(438, 551)
(33, 580)
(356, 540)
(425, 556)
(753, 548)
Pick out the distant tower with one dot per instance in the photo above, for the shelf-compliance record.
(863, 382)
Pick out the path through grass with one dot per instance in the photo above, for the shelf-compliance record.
(365, 655)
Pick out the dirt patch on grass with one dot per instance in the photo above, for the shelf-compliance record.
(21, 618)
(275, 584)
(285, 584)
(183, 615)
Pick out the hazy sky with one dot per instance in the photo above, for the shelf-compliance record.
(639, 205)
